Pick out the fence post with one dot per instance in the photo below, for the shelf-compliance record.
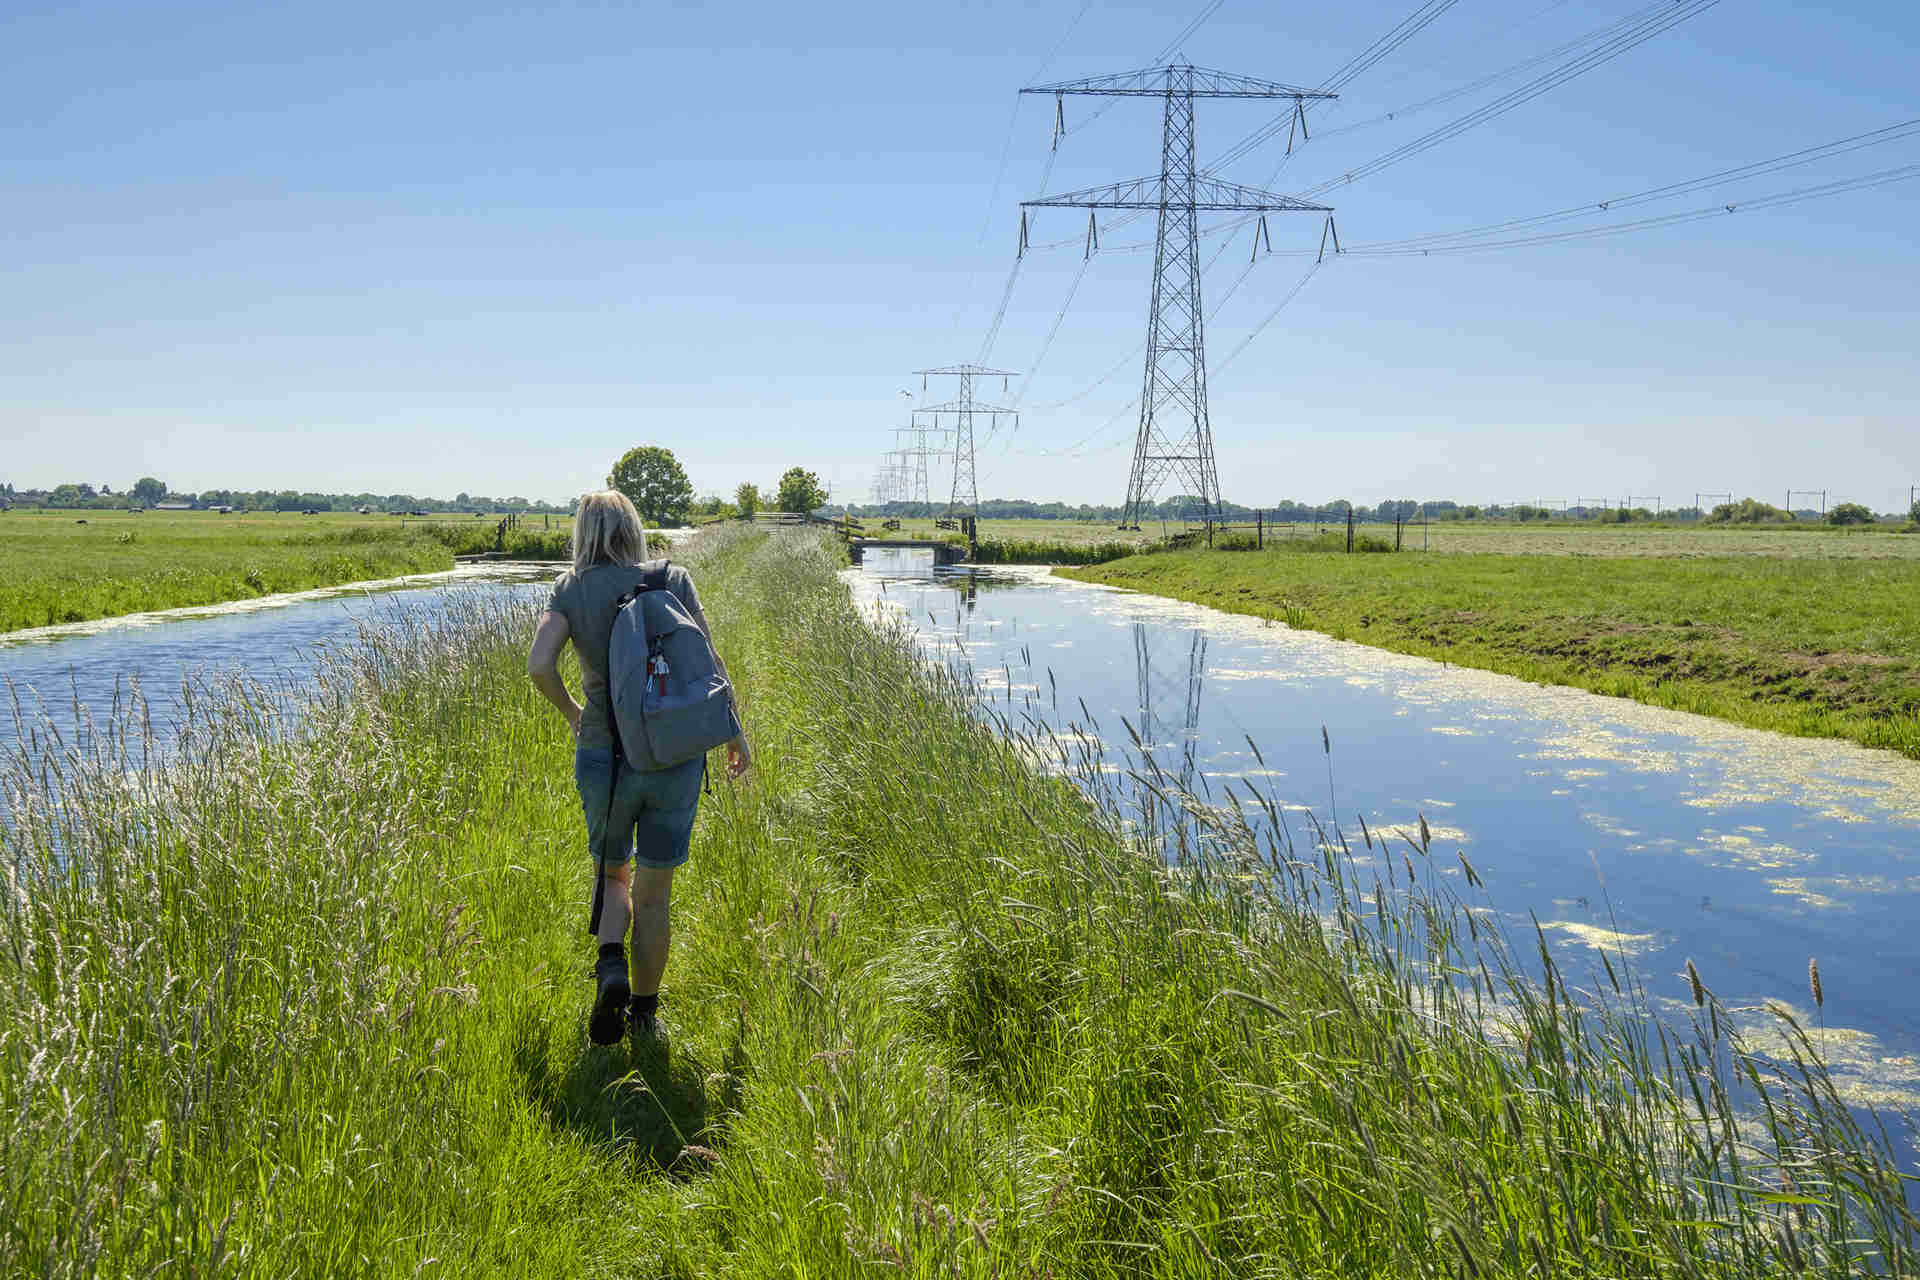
(1396, 531)
(1260, 530)
(1209, 535)
(1349, 528)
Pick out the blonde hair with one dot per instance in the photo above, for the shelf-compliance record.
(607, 530)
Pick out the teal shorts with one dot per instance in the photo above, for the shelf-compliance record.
(651, 817)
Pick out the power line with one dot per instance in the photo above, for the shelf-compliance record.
(1669, 16)
(1410, 26)
(1274, 127)
(1258, 329)
(1793, 159)
(1884, 177)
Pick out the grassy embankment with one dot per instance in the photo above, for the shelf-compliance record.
(117, 562)
(317, 1010)
(1819, 646)
(1028, 541)
(59, 570)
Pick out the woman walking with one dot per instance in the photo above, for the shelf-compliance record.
(639, 825)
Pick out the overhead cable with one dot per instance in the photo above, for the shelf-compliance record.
(1409, 26)
(1793, 159)
(1669, 16)
(1274, 128)
(1863, 182)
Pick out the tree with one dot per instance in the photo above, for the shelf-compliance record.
(147, 490)
(800, 491)
(653, 479)
(1849, 513)
(747, 499)
(1747, 511)
(1913, 512)
(64, 495)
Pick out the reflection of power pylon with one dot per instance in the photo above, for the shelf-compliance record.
(1163, 683)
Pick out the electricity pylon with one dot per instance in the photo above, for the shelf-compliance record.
(911, 443)
(888, 479)
(966, 488)
(1175, 433)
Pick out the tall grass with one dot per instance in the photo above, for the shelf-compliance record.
(1045, 551)
(313, 1005)
(518, 544)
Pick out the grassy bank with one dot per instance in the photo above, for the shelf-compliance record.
(59, 570)
(1817, 647)
(1044, 551)
(317, 1010)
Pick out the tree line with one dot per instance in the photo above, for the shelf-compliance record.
(654, 479)
(149, 491)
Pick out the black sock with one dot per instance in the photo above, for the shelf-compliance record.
(613, 949)
(644, 1006)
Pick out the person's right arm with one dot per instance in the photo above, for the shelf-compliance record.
(739, 754)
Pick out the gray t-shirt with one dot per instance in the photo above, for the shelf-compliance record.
(589, 601)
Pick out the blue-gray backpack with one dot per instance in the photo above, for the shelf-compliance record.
(666, 696)
(667, 702)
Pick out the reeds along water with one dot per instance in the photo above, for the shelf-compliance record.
(262, 1000)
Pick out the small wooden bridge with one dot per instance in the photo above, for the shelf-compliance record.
(943, 552)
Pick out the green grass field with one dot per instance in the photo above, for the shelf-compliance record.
(316, 1009)
(1681, 541)
(1821, 645)
(1498, 538)
(59, 570)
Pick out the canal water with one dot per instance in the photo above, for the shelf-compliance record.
(1658, 835)
(67, 676)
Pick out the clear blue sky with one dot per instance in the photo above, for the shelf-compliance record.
(434, 247)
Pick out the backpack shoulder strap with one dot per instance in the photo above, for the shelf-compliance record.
(654, 579)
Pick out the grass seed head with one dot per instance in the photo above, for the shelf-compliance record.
(1813, 982)
(1699, 987)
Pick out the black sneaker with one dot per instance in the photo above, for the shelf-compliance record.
(608, 1021)
(644, 1024)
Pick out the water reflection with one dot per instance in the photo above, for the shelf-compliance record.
(1652, 834)
(1169, 695)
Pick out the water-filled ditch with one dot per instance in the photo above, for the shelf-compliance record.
(68, 676)
(1657, 835)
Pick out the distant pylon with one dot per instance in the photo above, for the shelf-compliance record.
(966, 486)
(1176, 436)
(912, 443)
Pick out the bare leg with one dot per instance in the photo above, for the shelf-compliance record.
(652, 891)
(616, 908)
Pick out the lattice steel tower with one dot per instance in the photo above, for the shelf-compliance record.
(1176, 437)
(966, 488)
